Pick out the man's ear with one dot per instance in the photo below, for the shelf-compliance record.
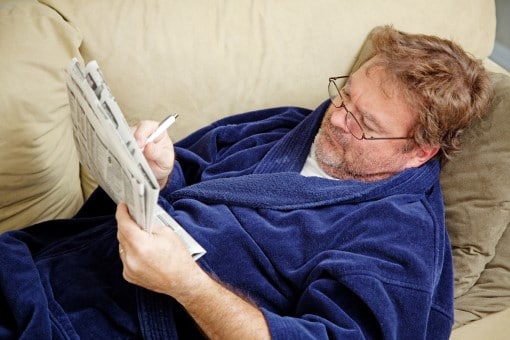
(421, 154)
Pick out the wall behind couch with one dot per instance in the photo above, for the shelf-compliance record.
(501, 53)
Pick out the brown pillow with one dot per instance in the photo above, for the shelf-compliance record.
(491, 293)
(476, 187)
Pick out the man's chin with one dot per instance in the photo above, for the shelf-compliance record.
(331, 166)
(328, 153)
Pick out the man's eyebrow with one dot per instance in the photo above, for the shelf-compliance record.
(347, 86)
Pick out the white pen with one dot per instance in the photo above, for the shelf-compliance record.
(162, 127)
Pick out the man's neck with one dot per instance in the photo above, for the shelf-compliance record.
(339, 174)
(313, 168)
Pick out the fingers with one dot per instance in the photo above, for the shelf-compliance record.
(143, 130)
(159, 153)
(122, 216)
(127, 229)
(160, 150)
(162, 156)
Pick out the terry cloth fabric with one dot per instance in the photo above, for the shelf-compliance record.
(322, 258)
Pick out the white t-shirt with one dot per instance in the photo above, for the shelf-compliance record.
(312, 168)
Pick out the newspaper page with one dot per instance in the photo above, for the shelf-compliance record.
(107, 148)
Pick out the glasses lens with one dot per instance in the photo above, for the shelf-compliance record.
(334, 95)
(353, 125)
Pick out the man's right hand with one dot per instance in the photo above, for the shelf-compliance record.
(159, 154)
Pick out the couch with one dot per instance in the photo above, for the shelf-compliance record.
(208, 59)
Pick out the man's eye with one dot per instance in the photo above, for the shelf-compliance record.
(366, 127)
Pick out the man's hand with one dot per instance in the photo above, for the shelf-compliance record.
(160, 262)
(159, 154)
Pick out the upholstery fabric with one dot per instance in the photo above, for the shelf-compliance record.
(477, 199)
(39, 171)
(205, 61)
(208, 61)
(161, 57)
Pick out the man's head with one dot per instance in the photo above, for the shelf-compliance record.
(416, 86)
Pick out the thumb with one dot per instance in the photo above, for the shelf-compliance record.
(126, 226)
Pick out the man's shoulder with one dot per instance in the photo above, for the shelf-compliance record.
(242, 125)
(274, 114)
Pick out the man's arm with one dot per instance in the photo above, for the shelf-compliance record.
(221, 314)
(160, 262)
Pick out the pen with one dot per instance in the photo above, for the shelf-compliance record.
(165, 124)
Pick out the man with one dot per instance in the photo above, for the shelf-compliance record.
(323, 224)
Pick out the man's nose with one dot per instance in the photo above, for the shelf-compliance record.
(338, 117)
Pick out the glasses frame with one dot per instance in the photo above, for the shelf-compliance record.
(332, 96)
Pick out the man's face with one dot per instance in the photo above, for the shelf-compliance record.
(382, 112)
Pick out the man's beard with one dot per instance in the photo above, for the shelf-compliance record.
(335, 156)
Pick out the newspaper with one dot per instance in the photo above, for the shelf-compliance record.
(108, 150)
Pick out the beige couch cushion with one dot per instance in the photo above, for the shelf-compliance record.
(205, 60)
(39, 171)
(476, 187)
(200, 60)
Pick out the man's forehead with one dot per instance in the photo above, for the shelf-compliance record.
(373, 76)
(374, 69)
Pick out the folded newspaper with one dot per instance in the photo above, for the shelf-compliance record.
(108, 150)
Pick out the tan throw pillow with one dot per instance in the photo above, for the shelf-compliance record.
(476, 187)
(39, 169)
(491, 293)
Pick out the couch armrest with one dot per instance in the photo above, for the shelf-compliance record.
(495, 327)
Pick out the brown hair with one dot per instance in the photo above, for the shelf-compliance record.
(447, 88)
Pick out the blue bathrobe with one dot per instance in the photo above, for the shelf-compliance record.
(321, 258)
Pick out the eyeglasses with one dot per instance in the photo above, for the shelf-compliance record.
(351, 122)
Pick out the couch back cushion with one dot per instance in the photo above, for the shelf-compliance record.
(205, 60)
